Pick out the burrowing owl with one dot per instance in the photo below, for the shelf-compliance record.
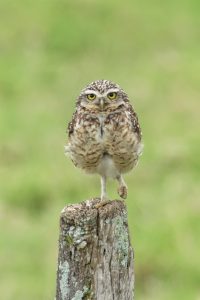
(104, 134)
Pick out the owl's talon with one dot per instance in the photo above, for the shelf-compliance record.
(123, 191)
(102, 203)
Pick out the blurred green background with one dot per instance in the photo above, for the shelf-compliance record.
(49, 50)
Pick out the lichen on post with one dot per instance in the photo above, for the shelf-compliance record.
(95, 259)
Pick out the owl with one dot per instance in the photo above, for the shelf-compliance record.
(104, 135)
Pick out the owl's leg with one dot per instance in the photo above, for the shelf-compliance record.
(104, 199)
(103, 188)
(122, 190)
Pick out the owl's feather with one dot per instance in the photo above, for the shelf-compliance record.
(104, 139)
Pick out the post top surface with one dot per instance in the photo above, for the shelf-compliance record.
(88, 209)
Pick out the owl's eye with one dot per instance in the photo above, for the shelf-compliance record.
(91, 97)
(112, 95)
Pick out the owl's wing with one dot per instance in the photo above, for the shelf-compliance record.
(134, 121)
(71, 125)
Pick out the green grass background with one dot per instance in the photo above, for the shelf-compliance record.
(49, 50)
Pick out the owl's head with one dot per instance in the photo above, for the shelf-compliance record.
(101, 95)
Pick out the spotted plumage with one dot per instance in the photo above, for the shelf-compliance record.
(104, 134)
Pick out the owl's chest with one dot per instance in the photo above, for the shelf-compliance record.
(101, 128)
(112, 125)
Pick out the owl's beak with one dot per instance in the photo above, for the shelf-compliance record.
(101, 103)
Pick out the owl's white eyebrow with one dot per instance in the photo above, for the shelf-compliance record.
(114, 90)
(92, 92)
(111, 91)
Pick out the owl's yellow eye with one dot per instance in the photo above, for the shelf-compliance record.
(91, 97)
(112, 95)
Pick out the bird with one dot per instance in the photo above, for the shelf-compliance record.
(104, 135)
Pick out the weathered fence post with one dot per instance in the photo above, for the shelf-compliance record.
(95, 259)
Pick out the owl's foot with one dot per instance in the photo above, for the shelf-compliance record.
(123, 191)
(103, 202)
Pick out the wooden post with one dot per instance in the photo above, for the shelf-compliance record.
(95, 260)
